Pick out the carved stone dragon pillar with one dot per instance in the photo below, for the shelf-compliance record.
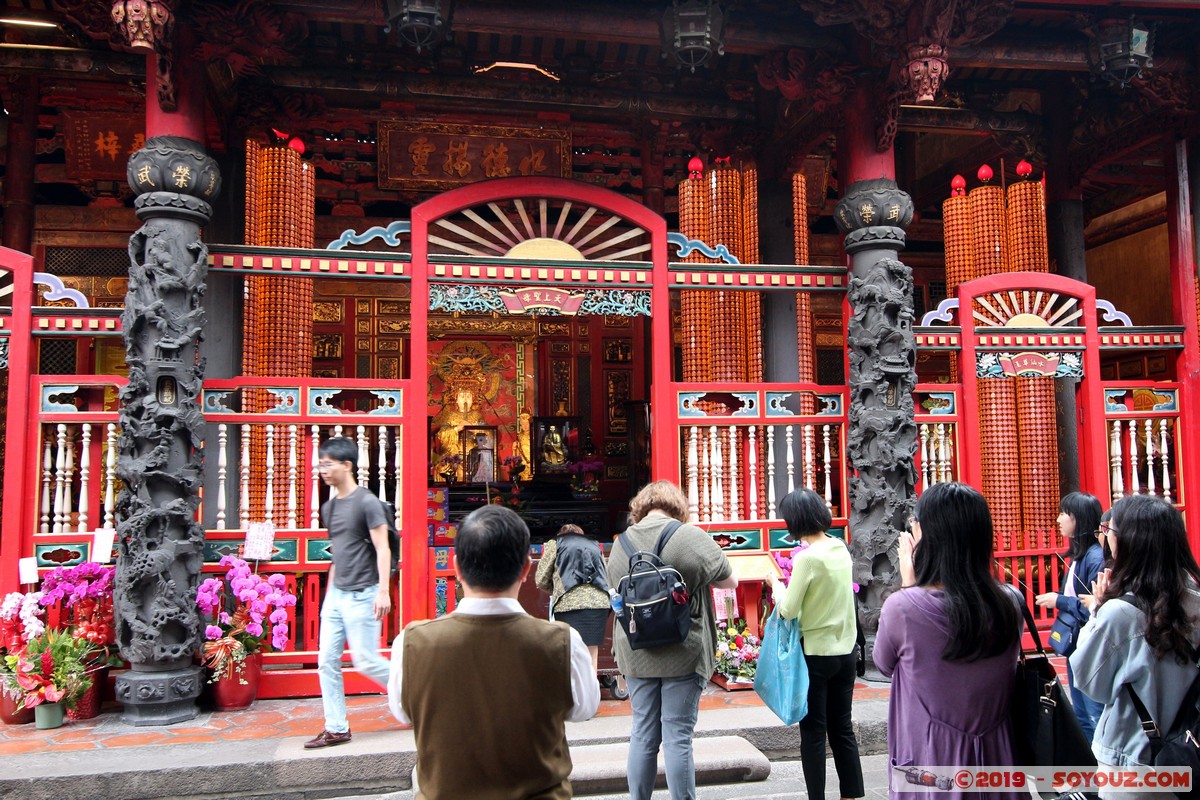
(160, 543)
(882, 439)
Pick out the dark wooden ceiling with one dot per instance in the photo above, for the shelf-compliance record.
(329, 71)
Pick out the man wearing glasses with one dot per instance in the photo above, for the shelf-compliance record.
(356, 597)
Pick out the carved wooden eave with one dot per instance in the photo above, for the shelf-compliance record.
(85, 65)
(504, 96)
(106, 21)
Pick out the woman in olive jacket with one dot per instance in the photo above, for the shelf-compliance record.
(665, 682)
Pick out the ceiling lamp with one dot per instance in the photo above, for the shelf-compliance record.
(692, 31)
(418, 22)
(1123, 48)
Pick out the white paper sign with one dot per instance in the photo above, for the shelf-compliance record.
(260, 541)
(723, 600)
(102, 545)
(27, 569)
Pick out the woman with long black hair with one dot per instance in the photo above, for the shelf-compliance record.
(949, 640)
(1079, 521)
(1144, 629)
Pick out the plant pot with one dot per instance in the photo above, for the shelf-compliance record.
(88, 704)
(12, 714)
(47, 716)
(237, 691)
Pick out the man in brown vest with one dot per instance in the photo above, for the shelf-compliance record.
(488, 688)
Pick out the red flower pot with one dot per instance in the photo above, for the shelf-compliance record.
(238, 690)
(10, 714)
(88, 705)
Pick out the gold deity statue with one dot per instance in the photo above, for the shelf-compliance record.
(554, 453)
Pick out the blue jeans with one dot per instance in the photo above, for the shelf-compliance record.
(1087, 710)
(664, 712)
(347, 617)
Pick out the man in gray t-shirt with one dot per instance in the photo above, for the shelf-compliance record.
(357, 597)
(354, 558)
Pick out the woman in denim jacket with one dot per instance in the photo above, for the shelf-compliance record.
(1145, 623)
(1079, 522)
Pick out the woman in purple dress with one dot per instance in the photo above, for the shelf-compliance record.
(949, 640)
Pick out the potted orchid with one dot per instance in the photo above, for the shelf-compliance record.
(448, 467)
(515, 466)
(85, 594)
(243, 611)
(20, 620)
(585, 480)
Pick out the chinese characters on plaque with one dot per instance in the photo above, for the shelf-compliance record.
(417, 155)
(99, 145)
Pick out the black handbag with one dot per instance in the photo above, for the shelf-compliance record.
(1064, 633)
(1046, 732)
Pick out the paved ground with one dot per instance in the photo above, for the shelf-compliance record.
(258, 753)
(786, 783)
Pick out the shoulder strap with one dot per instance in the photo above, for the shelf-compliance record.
(1150, 726)
(665, 536)
(1032, 627)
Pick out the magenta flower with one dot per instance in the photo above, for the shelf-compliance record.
(237, 609)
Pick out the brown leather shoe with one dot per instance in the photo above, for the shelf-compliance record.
(327, 739)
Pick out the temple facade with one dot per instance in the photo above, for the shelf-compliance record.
(541, 254)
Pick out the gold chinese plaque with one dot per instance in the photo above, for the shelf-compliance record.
(424, 155)
(99, 144)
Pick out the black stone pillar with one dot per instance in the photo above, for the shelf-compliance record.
(882, 438)
(160, 544)
(1064, 223)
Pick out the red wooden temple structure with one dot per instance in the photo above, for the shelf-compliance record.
(647, 280)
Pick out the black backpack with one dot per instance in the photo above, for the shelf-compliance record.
(1181, 746)
(656, 610)
(389, 511)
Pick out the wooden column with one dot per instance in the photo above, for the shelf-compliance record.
(859, 157)
(1182, 248)
(22, 102)
(1064, 235)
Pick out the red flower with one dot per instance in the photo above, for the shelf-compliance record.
(739, 641)
(47, 664)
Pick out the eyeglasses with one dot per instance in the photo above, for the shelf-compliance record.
(325, 466)
(1108, 530)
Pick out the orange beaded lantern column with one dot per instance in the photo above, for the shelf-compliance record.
(986, 203)
(722, 329)
(695, 306)
(997, 396)
(277, 335)
(805, 355)
(1026, 222)
(728, 320)
(960, 248)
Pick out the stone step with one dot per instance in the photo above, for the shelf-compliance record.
(600, 768)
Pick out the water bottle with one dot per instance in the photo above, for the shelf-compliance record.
(616, 602)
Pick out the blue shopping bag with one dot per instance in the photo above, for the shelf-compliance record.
(781, 679)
